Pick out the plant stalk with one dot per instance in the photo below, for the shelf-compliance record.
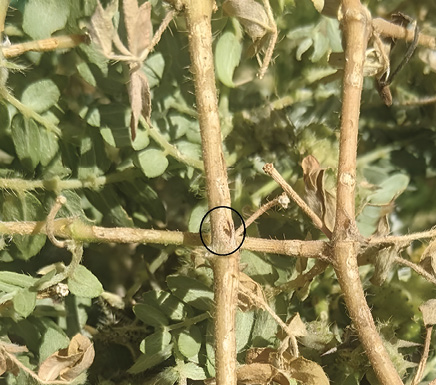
(226, 269)
(356, 24)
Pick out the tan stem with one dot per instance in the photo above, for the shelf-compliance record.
(226, 269)
(356, 25)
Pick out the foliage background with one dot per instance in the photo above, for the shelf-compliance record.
(156, 182)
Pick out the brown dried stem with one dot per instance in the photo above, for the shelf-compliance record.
(273, 173)
(424, 357)
(226, 269)
(356, 24)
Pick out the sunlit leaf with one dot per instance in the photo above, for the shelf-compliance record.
(189, 341)
(150, 315)
(191, 291)
(227, 57)
(84, 284)
(152, 162)
(41, 95)
(43, 17)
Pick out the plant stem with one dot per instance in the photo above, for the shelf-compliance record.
(226, 269)
(356, 25)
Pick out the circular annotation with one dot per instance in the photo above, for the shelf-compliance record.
(201, 233)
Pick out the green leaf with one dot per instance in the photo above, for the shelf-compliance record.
(84, 284)
(389, 189)
(107, 201)
(114, 122)
(192, 370)
(141, 140)
(16, 279)
(24, 207)
(227, 57)
(155, 342)
(145, 361)
(196, 216)
(41, 95)
(168, 376)
(24, 302)
(150, 315)
(154, 68)
(189, 341)
(93, 160)
(152, 162)
(191, 291)
(52, 339)
(170, 305)
(5, 119)
(43, 17)
(244, 325)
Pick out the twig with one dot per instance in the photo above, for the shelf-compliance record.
(418, 269)
(263, 209)
(402, 240)
(272, 39)
(419, 372)
(76, 229)
(44, 45)
(60, 201)
(271, 171)
(385, 28)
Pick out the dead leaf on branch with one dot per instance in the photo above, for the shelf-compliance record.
(428, 258)
(6, 362)
(139, 30)
(301, 369)
(321, 201)
(67, 364)
(428, 310)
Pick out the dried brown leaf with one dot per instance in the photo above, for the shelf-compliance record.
(139, 96)
(70, 362)
(428, 258)
(297, 326)
(251, 15)
(383, 263)
(259, 373)
(307, 372)
(101, 28)
(428, 310)
(6, 363)
(321, 201)
(138, 25)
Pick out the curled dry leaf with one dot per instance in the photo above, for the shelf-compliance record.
(428, 258)
(383, 263)
(102, 28)
(67, 364)
(138, 25)
(6, 363)
(250, 14)
(260, 374)
(321, 201)
(428, 310)
(301, 369)
(139, 96)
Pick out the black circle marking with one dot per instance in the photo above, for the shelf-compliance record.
(243, 237)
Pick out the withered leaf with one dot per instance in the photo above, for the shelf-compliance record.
(250, 14)
(6, 364)
(383, 263)
(297, 326)
(138, 25)
(321, 201)
(139, 96)
(306, 371)
(67, 364)
(428, 258)
(101, 27)
(259, 373)
(428, 310)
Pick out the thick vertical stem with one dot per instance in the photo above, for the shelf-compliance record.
(356, 24)
(226, 269)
